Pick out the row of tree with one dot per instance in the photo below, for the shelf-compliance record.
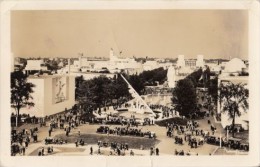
(100, 92)
(147, 78)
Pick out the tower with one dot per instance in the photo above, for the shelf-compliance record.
(111, 55)
(181, 61)
(80, 59)
(171, 77)
(200, 61)
(68, 66)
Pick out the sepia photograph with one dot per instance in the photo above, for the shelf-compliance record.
(119, 82)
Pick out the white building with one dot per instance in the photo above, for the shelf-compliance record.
(171, 77)
(235, 65)
(52, 94)
(150, 65)
(180, 61)
(35, 65)
(114, 64)
(191, 63)
(200, 61)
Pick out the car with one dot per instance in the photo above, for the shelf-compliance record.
(103, 129)
(236, 128)
(234, 143)
(140, 122)
(244, 145)
(150, 134)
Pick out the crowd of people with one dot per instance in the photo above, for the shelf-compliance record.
(49, 140)
(190, 133)
(41, 151)
(182, 153)
(125, 130)
(166, 111)
(20, 140)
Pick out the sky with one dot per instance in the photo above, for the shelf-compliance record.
(139, 33)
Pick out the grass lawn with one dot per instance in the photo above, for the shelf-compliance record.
(176, 120)
(133, 142)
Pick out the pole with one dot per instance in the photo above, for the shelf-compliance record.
(220, 141)
(16, 122)
(227, 134)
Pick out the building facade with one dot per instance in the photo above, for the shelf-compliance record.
(52, 94)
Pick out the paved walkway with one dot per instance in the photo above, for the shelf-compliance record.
(166, 144)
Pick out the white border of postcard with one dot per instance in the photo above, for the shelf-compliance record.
(245, 160)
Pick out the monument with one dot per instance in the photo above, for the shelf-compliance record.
(171, 77)
(181, 61)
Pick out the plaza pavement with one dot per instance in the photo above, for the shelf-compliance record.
(166, 144)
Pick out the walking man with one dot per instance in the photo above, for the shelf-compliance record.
(157, 151)
(91, 150)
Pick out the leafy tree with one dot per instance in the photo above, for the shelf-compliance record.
(206, 77)
(78, 81)
(213, 89)
(20, 92)
(137, 83)
(184, 97)
(119, 89)
(233, 99)
(100, 91)
(195, 77)
(151, 76)
(52, 65)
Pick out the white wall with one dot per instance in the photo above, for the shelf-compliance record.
(53, 108)
(43, 97)
(225, 120)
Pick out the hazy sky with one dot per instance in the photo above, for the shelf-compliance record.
(152, 33)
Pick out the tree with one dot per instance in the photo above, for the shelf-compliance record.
(78, 81)
(206, 77)
(195, 77)
(233, 99)
(119, 89)
(20, 92)
(137, 83)
(100, 91)
(213, 89)
(184, 97)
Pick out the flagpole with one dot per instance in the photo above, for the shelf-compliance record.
(220, 141)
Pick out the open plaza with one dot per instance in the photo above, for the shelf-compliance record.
(123, 132)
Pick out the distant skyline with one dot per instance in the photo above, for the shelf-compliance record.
(139, 33)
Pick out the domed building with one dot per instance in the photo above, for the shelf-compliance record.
(235, 65)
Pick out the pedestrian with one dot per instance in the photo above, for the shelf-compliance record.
(79, 132)
(91, 150)
(151, 151)
(26, 143)
(23, 150)
(50, 132)
(119, 152)
(39, 152)
(76, 143)
(42, 151)
(157, 151)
